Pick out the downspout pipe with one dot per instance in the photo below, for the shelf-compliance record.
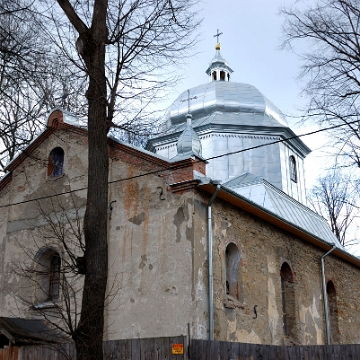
(326, 308)
(210, 260)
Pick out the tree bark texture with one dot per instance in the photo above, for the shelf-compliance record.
(89, 334)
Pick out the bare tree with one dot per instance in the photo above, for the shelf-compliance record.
(50, 263)
(124, 49)
(333, 197)
(32, 79)
(331, 65)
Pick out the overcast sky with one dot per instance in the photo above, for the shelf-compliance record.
(251, 45)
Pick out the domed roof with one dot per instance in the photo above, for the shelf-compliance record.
(238, 128)
(224, 103)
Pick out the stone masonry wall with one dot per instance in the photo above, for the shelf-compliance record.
(257, 315)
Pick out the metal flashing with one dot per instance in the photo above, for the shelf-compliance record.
(281, 205)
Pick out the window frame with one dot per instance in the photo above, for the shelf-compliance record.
(48, 277)
(293, 169)
(55, 167)
(333, 312)
(288, 304)
(232, 275)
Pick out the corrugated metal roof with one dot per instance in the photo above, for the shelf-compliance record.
(273, 199)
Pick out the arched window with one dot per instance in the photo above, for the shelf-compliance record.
(48, 275)
(55, 162)
(214, 75)
(293, 171)
(222, 75)
(288, 301)
(333, 313)
(232, 257)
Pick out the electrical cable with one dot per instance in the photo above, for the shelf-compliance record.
(210, 158)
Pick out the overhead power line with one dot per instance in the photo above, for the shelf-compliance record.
(209, 158)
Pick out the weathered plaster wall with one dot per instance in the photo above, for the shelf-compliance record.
(200, 328)
(151, 236)
(151, 240)
(33, 213)
(263, 249)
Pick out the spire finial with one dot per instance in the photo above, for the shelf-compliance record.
(217, 47)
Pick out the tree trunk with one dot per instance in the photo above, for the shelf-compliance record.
(89, 334)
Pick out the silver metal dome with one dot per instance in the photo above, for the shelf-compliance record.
(239, 104)
(240, 131)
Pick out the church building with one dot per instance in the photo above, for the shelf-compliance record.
(208, 230)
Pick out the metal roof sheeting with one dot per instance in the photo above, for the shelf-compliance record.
(263, 194)
(226, 97)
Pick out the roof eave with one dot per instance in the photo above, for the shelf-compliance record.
(39, 140)
(254, 209)
(285, 133)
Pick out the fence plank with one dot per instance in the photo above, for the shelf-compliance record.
(303, 353)
(179, 340)
(260, 353)
(147, 349)
(320, 352)
(244, 352)
(234, 351)
(196, 349)
(214, 350)
(225, 348)
(272, 352)
(203, 352)
(164, 351)
(109, 350)
(352, 352)
(280, 352)
(125, 348)
(135, 349)
(357, 351)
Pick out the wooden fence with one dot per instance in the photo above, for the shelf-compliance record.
(162, 349)
(222, 350)
(9, 353)
(132, 349)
